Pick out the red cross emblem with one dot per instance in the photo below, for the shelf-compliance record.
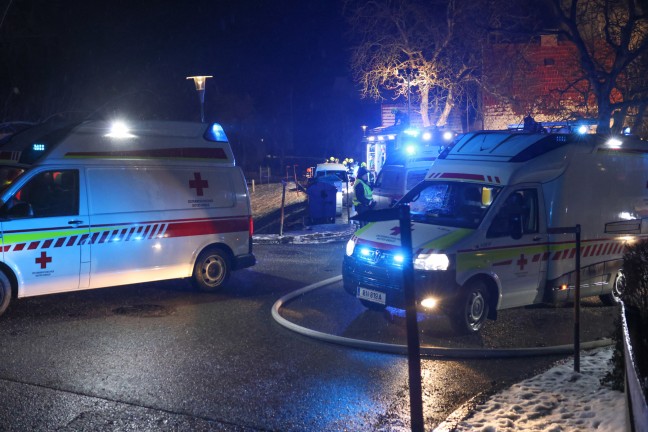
(43, 260)
(198, 183)
(522, 262)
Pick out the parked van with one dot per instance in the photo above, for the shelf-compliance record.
(394, 181)
(90, 206)
(481, 225)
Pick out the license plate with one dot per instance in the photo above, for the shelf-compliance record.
(371, 295)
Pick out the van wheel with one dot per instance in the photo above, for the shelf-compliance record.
(211, 270)
(470, 310)
(614, 297)
(5, 292)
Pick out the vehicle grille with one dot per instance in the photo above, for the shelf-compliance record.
(377, 268)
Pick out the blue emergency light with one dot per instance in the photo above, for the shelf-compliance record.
(216, 133)
(38, 147)
(410, 150)
(412, 132)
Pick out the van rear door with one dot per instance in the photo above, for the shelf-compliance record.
(45, 232)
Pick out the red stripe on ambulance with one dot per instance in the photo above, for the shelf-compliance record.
(214, 226)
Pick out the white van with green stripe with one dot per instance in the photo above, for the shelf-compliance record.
(480, 225)
(96, 204)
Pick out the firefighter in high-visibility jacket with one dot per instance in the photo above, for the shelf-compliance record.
(363, 200)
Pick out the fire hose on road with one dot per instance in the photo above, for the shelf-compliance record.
(428, 351)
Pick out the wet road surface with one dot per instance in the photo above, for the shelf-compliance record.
(162, 357)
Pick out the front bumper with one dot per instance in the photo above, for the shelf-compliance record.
(389, 280)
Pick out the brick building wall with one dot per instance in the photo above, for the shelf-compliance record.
(538, 79)
(388, 116)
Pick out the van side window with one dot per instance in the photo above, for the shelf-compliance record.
(521, 209)
(48, 194)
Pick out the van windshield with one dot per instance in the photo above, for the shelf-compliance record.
(453, 204)
(8, 173)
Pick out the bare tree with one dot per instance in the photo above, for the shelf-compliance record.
(411, 47)
(612, 41)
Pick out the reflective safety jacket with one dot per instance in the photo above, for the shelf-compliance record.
(365, 196)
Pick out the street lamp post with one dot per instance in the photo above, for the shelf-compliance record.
(364, 130)
(199, 81)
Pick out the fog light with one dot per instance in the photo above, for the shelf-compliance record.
(429, 303)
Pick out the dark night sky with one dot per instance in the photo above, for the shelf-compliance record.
(280, 67)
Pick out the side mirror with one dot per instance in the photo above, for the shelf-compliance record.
(17, 210)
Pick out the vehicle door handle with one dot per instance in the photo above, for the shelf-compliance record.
(75, 222)
(537, 238)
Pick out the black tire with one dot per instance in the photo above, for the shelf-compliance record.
(211, 270)
(614, 298)
(5, 292)
(471, 308)
(373, 306)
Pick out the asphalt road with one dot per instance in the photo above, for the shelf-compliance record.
(159, 356)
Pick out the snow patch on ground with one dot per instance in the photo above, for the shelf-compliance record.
(558, 400)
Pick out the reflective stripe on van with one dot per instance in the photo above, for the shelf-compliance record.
(524, 255)
(60, 237)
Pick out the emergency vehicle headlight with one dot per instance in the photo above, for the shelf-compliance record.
(447, 135)
(427, 136)
(431, 262)
(614, 143)
(350, 247)
(429, 303)
(582, 129)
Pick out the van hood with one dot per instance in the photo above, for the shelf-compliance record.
(433, 238)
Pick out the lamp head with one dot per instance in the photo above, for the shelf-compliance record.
(199, 81)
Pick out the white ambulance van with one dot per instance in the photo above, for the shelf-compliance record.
(96, 204)
(480, 225)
